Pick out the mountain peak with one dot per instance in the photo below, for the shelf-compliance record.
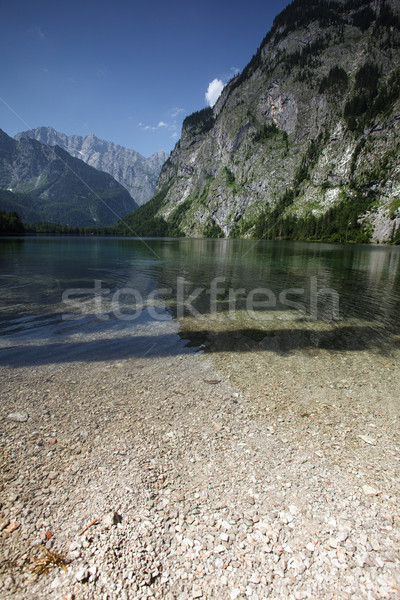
(45, 183)
(136, 173)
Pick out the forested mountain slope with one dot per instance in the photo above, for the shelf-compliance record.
(305, 142)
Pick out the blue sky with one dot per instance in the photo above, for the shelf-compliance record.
(128, 72)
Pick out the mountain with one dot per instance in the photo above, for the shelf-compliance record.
(137, 174)
(304, 143)
(47, 184)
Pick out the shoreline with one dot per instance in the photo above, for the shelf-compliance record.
(198, 490)
(374, 244)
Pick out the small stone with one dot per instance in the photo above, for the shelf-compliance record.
(333, 543)
(19, 417)
(8, 582)
(93, 570)
(49, 535)
(375, 545)
(4, 523)
(81, 574)
(370, 491)
(342, 536)
(220, 548)
(56, 583)
(12, 527)
(110, 519)
(360, 560)
(52, 441)
(379, 561)
(197, 592)
(368, 439)
(310, 547)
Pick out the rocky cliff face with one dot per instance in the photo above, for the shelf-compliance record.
(137, 174)
(52, 186)
(305, 138)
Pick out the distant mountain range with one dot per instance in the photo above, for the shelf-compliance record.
(44, 183)
(137, 174)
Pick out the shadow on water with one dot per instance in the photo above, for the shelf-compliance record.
(170, 344)
(287, 341)
(119, 348)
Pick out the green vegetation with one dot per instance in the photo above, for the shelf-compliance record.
(309, 160)
(11, 223)
(307, 57)
(266, 132)
(54, 228)
(394, 207)
(388, 94)
(359, 148)
(176, 217)
(395, 236)
(213, 230)
(356, 4)
(369, 101)
(364, 18)
(23, 204)
(339, 224)
(144, 222)
(361, 107)
(230, 177)
(387, 18)
(300, 13)
(367, 78)
(336, 81)
(202, 120)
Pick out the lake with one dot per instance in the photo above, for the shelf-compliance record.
(243, 302)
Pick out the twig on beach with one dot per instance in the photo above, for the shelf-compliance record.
(90, 525)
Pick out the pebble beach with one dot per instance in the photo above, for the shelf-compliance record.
(176, 477)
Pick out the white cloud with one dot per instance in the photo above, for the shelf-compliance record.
(169, 125)
(213, 92)
(36, 31)
(160, 125)
(177, 111)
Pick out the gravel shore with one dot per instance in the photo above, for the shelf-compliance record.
(190, 487)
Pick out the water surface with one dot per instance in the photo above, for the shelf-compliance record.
(75, 298)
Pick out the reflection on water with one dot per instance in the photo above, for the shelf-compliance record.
(217, 282)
